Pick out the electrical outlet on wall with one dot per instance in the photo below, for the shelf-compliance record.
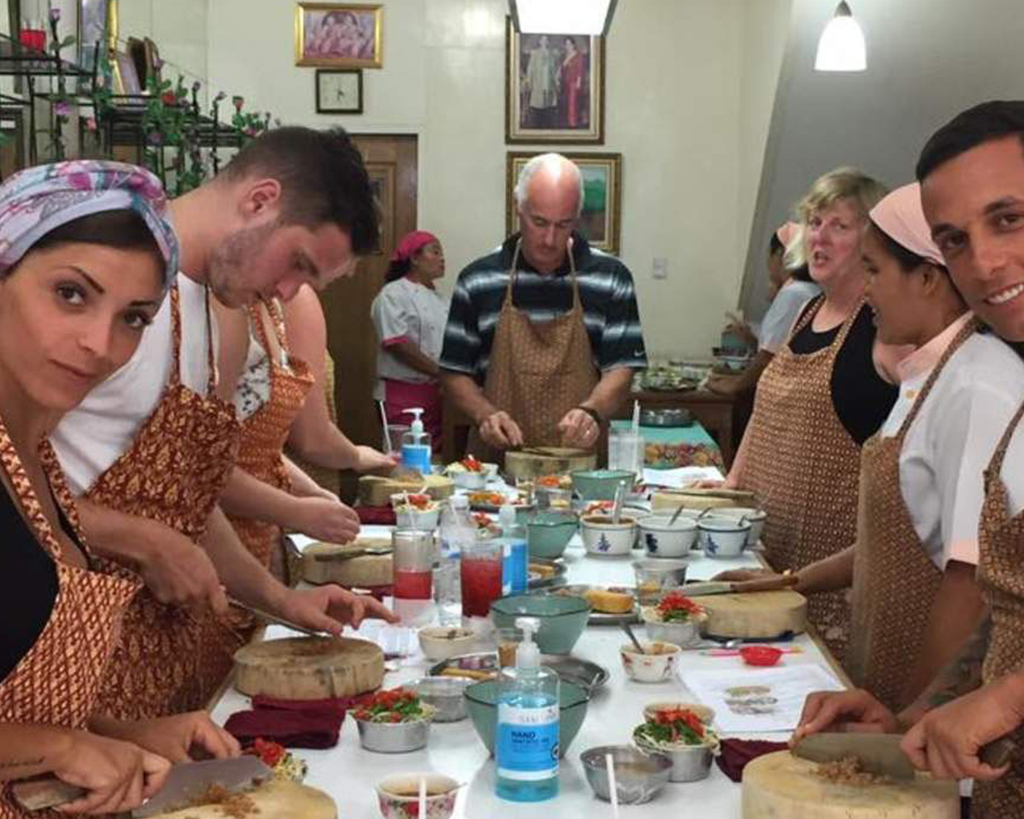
(659, 269)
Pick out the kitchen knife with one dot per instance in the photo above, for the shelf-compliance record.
(266, 616)
(726, 587)
(184, 783)
(881, 753)
(189, 781)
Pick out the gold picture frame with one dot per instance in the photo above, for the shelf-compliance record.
(339, 35)
(554, 88)
(601, 220)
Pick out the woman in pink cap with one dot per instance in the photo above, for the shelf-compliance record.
(410, 317)
(915, 600)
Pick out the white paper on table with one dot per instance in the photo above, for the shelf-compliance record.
(758, 700)
(676, 478)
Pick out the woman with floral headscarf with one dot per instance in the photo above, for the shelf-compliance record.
(86, 257)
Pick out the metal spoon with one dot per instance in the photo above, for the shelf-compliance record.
(632, 636)
(675, 515)
(620, 494)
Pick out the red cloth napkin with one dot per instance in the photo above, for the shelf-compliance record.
(292, 723)
(736, 753)
(379, 515)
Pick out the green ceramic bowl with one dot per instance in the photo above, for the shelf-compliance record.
(548, 533)
(482, 704)
(600, 484)
(562, 619)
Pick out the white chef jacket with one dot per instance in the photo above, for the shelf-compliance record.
(102, 428)
(950, 443)
(406, 311)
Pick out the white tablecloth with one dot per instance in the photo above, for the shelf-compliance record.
(349, 773)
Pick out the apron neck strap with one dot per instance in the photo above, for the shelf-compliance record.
(514, 269)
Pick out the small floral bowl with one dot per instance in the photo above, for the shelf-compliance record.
(398, 796)
(656, 665)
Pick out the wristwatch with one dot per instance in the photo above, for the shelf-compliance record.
(593, 413)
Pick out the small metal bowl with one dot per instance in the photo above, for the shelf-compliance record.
(393, 737)
(638, 776)
(445, 694)
(688, 764)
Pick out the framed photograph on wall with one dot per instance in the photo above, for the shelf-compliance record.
(554, 88)
(602, 196)
(339, 35)
(126, 78)
(339, 91)
(93, 17)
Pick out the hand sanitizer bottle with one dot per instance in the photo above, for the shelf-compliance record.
(513, 536)
(527, 747)
(416, 444)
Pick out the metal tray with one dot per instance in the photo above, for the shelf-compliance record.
(666, 418)
(557, 579)
(600, 618)
(587, 675)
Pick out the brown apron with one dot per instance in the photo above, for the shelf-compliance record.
(894, 579)
(804, 467)
(538, 371)
(174, 471)
(1001, 578)
(58, 681)
(263, 436)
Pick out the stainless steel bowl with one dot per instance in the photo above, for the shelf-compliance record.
(445, 694)
(393, 737)
(688, 764)
(638, 776)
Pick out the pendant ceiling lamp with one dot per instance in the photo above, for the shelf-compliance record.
(591, 17)
(842, 47)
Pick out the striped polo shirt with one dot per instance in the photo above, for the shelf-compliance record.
(606, 293)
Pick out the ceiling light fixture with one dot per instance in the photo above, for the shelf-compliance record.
(842, 46)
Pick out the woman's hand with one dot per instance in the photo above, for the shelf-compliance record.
(118, 776)
(838, 711)
(324, 518)
(329, 608)
(370, 460)
(179, 738)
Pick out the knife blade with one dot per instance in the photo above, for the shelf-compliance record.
(878, 753)
(190, 780)
(266, 616)
(881, 753)
(739, 587)
(184, 783)
(710, 587)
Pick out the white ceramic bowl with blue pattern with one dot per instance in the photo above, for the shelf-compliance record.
(722, 537)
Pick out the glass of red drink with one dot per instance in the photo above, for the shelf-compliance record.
(413, 564)
(481, 577)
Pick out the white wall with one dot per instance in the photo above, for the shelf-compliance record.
(927, 61)
(678, 74)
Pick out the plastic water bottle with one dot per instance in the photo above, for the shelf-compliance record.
(456, 529)
(527, 748)
(514, 537)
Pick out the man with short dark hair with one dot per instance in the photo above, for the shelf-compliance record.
(150, 449)
(544, 334)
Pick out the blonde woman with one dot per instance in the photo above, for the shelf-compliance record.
(826, 391)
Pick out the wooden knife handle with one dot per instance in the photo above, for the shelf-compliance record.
(49, 792)
(998, 753)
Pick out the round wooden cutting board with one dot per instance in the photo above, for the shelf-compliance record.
(781, 785)
(277, 799)
(309, 668)
(375, 490)
(754, 614)
(329, 563)
(549, 460)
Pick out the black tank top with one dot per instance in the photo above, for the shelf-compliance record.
(861, 397)
(28, 584)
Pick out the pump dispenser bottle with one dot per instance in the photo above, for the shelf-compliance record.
(416, 447)
(527, 747)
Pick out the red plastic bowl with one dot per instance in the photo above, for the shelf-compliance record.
(760, 655)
